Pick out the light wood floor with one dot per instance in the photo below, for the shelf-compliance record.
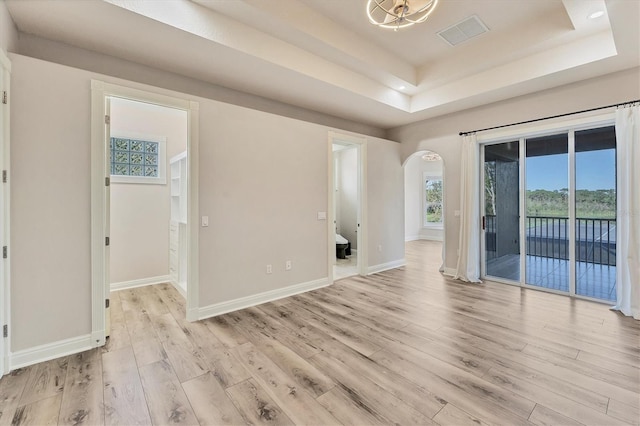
(406, 346)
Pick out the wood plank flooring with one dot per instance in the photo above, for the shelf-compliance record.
(406, 346)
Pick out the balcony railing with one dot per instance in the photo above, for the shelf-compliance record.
(547, 236)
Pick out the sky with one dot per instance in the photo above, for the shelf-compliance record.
(594, 170)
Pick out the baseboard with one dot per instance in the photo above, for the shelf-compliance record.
(49, 351)
(258, 299)
(140, 283)
(408, 238)
(386, 266)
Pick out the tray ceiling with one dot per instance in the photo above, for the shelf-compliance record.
(324, 55)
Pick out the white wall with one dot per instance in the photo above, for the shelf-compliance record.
(263, 178)
(50, 203)
(347, 194)
(385, 203)
(140, 213)
(441, 134)
(8, 31)
(414, 171)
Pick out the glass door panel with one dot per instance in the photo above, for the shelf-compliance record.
(547, 212)
(502, 210)
(595, 202)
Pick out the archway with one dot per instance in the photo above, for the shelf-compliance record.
(425, 197)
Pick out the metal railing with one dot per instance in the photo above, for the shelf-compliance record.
(548, 236)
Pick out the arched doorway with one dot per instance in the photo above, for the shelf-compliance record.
(424, 197)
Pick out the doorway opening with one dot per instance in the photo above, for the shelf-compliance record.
(424, 206)
(346, 200)
(148, 195)
(144, 181)
(424, 197)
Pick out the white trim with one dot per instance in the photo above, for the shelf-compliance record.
(100, 94)
(5, 219)
(193, 209)
(123, 285)
(50, 351)
(260, 298)
(386, 266)
(408, 238)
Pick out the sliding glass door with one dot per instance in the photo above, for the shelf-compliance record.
(502, 210)
(595, 202)
(549, 212)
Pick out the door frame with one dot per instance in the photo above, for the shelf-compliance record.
(360, 144)
(5, 199)
(521, 133)
(100, 287)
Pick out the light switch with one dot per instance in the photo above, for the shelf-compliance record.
(322, 215)
(205, 220)
(456, 213)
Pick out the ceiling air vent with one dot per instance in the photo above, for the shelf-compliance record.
(463, 30)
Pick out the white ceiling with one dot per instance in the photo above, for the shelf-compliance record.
(324, 55)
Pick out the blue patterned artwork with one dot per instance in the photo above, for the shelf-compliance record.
(131, 157)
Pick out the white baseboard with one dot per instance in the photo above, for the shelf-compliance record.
(258, 299)
(49, 351)
(411, 238)
(386, 266)
(140, 283)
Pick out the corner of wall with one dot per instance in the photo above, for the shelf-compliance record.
(8, 30)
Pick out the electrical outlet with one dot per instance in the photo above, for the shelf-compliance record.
(287, 265)
(269, 269)
(380, 248)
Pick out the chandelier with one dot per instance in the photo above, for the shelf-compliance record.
(398, 14)
(431, 156)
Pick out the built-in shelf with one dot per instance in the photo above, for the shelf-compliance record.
(178, 222)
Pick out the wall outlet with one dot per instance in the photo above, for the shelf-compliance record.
(269, 269)
(380, 248)
(287, 265)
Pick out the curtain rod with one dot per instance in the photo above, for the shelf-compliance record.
(550, 117)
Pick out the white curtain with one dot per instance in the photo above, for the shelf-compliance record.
(628, 221)
(468, 268)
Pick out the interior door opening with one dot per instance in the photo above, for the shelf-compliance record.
(346, 240)
(146, 200)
